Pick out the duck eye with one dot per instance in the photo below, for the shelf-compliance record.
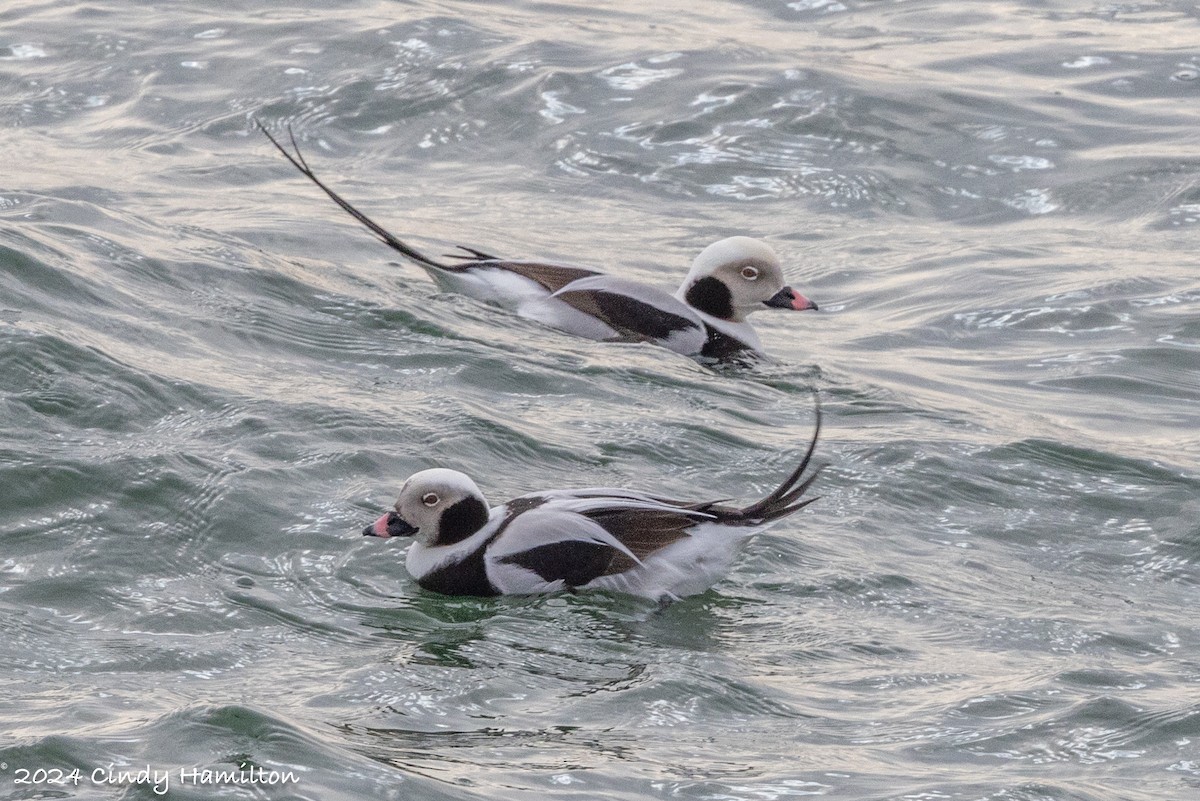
(430, 499)
(750, 273)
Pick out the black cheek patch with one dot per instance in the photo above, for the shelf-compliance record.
(711, 296)
(575, 562)
(460, 520)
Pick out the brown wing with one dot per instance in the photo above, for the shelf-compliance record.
(642, 532)
(551, 276)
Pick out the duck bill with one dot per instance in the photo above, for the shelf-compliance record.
(788, 298)
(389, 525)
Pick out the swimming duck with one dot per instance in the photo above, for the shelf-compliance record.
(576, 539)
(706, 317)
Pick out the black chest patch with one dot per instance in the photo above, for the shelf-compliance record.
(711, 296)
(468, 577)
(720, 345)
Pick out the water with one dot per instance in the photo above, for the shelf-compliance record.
(212, 379)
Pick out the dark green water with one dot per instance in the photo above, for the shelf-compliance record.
(210, 380)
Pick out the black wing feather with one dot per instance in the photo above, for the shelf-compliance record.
(575, 562)
(628, 316)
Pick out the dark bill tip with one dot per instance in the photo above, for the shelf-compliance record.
(788, 298)
(389, 525)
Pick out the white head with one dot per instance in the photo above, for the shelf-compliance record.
(437, 507)
(736, 276)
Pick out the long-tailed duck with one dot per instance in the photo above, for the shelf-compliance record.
(705, 317)
(607, 539)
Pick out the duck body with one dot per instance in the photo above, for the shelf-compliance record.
(584, 539)
(581, 302)
(706, 317)
(550, 542)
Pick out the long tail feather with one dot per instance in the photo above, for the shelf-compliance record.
(782, 501)
(787, 510)
(471, 255)
(386, 237)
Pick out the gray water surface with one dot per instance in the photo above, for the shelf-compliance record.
(211, 379)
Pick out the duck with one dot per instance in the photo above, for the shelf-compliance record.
(705, 318)
(572, 540)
